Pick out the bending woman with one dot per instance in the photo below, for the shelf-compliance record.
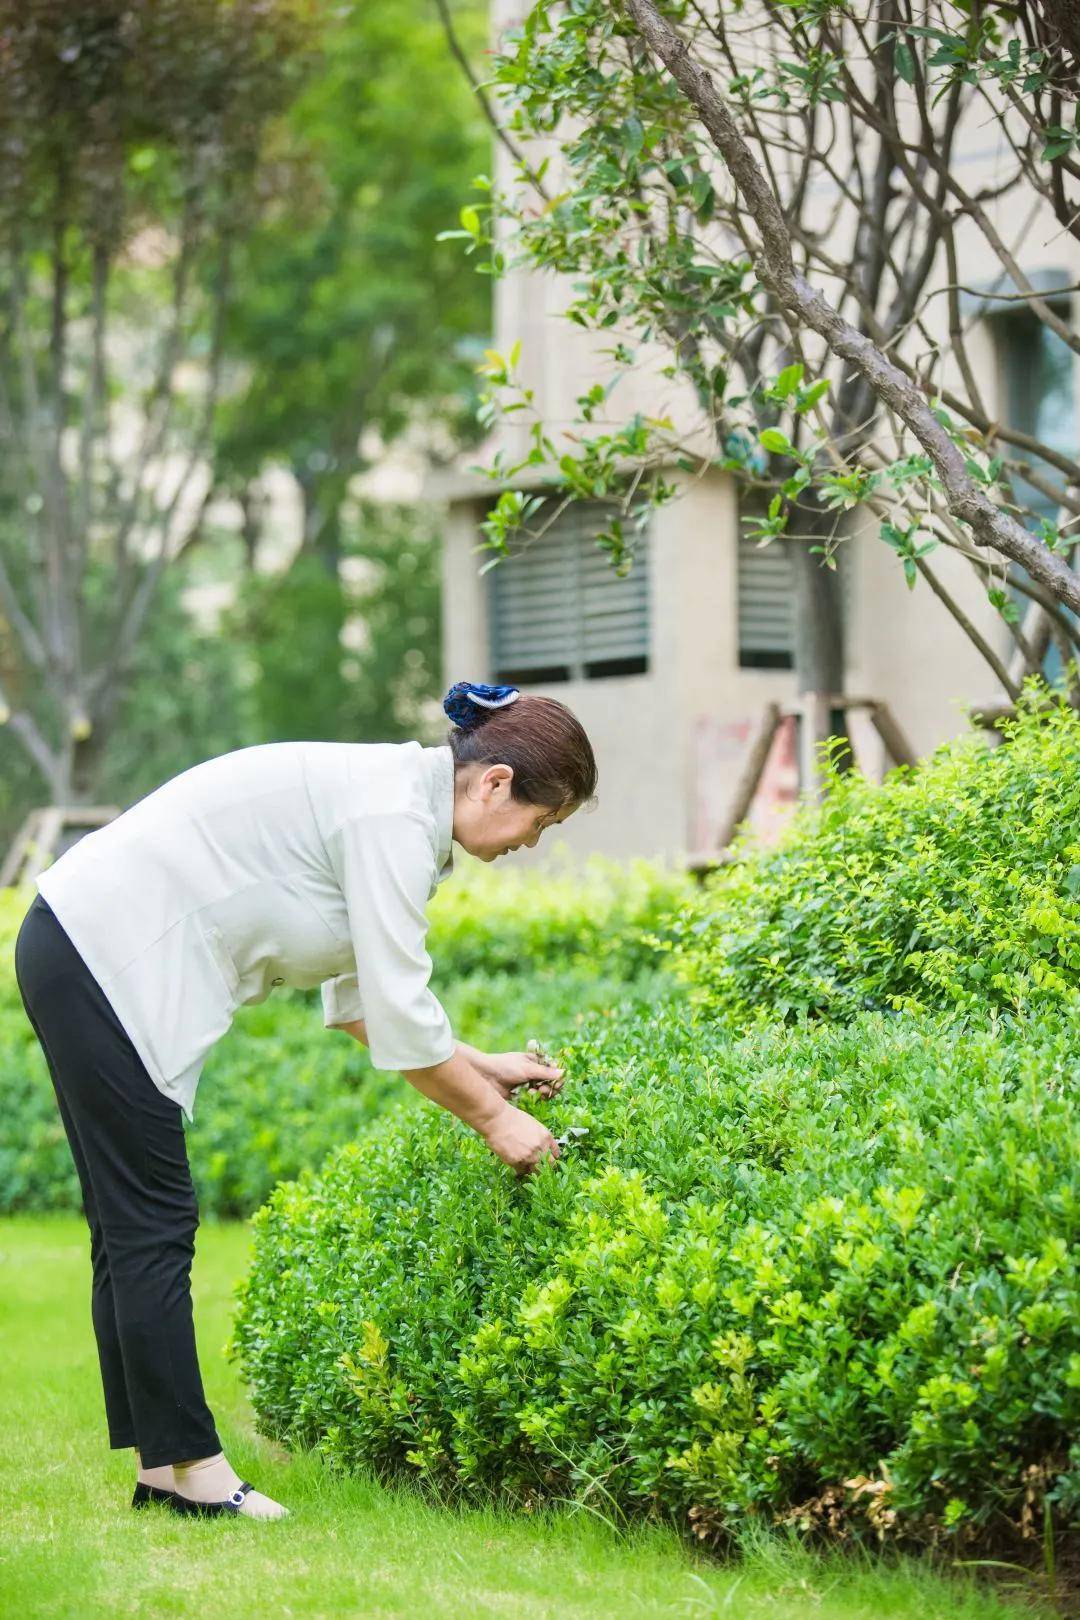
(294, 863)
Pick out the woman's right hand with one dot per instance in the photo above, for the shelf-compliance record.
(519, 1140)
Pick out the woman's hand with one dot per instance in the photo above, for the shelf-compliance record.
(507, 1071)
(519, 1140)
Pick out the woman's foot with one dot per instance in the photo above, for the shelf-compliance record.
(212, 1479)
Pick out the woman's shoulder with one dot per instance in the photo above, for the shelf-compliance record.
(349, 780)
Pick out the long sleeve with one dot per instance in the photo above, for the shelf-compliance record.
(386, 867)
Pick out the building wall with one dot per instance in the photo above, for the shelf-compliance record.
(637, 736)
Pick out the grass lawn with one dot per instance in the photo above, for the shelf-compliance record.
(71, 1545)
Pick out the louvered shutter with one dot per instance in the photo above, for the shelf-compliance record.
(531, 610)
(557, 611)
(614, 612)
(766, 606)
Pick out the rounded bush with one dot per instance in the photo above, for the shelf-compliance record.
(821, 1274)
(952, 886)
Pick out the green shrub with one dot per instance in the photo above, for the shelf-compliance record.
(597, 912)
(798, 1273)
(36, 1168)
(279, 1092)
(952, 886)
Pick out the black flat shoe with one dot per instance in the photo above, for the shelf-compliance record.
(232, 1504)
(149, 1493)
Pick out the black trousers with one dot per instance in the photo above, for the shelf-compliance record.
(127, 1140)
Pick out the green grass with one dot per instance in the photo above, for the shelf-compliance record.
(70, 1544)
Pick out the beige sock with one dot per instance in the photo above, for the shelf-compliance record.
(162, 1477)
(213, 1479)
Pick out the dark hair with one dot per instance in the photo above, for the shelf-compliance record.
(539, 738)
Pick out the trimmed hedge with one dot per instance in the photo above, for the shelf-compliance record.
(953, 886)
(279, 1092)
(821, 1275)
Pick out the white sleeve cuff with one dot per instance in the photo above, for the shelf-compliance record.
(341, 1000)
(416, 1055)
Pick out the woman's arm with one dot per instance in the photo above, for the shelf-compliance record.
(506, 1071)
(357, 1028)
(463, 1088)
(514, 1136)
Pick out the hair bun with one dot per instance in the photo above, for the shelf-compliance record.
(469, 703)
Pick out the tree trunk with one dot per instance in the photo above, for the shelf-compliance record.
(251, 526)
(1061, 23)
(819, 650)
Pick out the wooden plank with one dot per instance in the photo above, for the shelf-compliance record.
(757, 752)
(43, 843)
(33, 845)
(892, 734)
(815, 726)
(13, 860)
(709, 860)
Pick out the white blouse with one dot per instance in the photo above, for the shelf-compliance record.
(294, 863)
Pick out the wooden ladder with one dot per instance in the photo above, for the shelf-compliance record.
(812, 713)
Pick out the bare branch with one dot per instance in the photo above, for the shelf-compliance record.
(26, 728)
(461, 57)
(17, 618)
(974, 635)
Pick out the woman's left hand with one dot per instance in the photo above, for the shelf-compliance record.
(508, 1071)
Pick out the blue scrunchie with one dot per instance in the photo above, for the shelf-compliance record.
(469, 702)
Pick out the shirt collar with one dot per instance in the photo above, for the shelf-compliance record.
(441, 788)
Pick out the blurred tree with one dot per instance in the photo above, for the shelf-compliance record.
(131, 133)
(306, 682)
(351, 318)
(187, 697)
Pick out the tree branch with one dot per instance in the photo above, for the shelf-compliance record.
(966, 500)
(460, 56)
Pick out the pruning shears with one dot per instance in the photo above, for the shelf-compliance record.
(571, 1134)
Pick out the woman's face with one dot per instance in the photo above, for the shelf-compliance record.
(489, 821)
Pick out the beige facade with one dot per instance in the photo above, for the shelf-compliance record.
(669, 741)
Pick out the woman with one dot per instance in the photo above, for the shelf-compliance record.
(297, 863)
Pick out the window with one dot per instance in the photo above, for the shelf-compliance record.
(558, 612)
(1039, 394)
(766, 591)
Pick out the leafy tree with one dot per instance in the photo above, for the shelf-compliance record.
(353, 323)
(131, 136)
(187, 698)
(686, 152)
(306, 682)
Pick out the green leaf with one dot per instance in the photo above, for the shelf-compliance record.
(904, 61)
(813, 394)
(789, 379)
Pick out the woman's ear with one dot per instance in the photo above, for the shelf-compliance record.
(496, 780)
